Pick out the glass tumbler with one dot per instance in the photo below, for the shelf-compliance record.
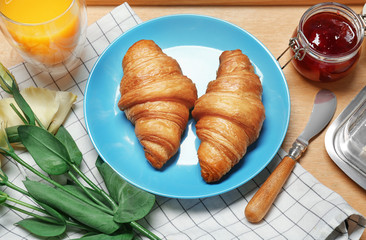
(50, 35)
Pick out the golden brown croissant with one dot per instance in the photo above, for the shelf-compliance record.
(156, 98)
(229, 115)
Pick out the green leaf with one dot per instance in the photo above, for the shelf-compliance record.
(78, 191)
(42, 229)
(133, 203)
(110, 177)
(48, 152)
(121, 236)
(65, 138)
(73, 207)
(58, 216)
(24, 106)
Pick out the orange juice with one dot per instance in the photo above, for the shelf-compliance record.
(44, 30)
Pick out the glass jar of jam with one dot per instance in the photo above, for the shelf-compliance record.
(327, 42)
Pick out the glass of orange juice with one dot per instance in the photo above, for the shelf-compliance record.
(49, 34)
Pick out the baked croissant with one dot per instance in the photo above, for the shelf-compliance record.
(156, 98)
(229, 115)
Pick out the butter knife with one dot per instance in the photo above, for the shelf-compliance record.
(323, 110)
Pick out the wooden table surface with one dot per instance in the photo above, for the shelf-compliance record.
(272, 25)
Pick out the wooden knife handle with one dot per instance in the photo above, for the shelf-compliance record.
(259, 205)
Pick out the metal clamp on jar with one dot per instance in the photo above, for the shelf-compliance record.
(327, 42)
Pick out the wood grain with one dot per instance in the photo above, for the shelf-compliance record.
(214, 2)
(273, 26)
(263, 199)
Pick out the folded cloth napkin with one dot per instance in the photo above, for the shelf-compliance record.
(305, 209)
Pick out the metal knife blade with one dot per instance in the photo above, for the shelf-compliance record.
(323, 110)
(325, 104)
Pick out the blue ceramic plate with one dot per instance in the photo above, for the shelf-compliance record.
(196, 42)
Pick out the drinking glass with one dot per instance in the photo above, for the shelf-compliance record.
(50, 36)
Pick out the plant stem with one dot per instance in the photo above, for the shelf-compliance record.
(18, 113)
(95, 187)
(15, 187)
(144, 231)
(46, 219)
(23, 105)
(12, 133)
(24, 120)
(73, 177)
(39, 122)
(26, 205)
(35, 171)
(70, 223)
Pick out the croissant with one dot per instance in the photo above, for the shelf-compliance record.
(229, 115)
(156, 98)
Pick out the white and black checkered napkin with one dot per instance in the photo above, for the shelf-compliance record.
(304, 209)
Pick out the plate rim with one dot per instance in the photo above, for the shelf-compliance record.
(136, 28)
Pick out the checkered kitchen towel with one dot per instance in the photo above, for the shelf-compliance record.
(305, 209)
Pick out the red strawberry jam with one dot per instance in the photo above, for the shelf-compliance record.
(330, 33)
(332, 45)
